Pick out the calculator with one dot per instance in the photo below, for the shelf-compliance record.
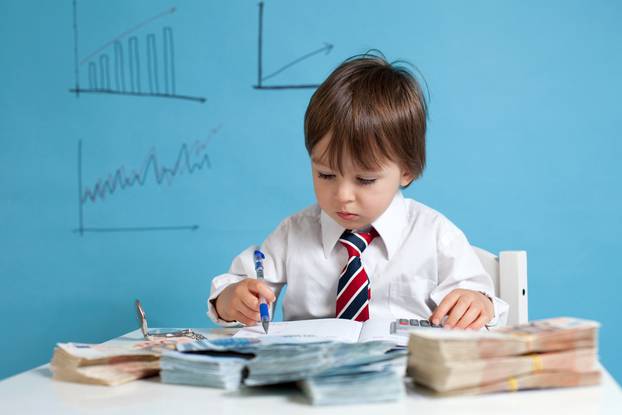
(402, 326)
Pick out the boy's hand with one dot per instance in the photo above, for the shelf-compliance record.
(240, 301)
(465, 309)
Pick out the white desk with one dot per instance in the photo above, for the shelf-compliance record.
(34, 392)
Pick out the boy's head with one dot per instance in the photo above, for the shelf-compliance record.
(365, 132)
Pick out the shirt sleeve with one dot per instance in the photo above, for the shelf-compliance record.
(243, 266)
(459, 267)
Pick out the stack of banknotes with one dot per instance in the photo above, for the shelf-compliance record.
(322, 369)
(202, 370)
(111, 363)
(370, 379)
(557, 352)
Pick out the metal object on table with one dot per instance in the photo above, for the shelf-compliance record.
(161, 333)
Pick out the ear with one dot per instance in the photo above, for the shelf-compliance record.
(406, 178)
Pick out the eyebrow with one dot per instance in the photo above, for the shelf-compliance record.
(318, 161)
(361, 173)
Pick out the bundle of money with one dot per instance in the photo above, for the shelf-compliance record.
(109, 363)
(322, 369)
(557, 352)
(377, 378)
(224, 372)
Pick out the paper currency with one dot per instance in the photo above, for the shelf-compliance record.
(379, 379)
(554, 352)
(109, 363)
(224, 372)
(327, 372)
(548, 335)
(460, 374)
(538, 380)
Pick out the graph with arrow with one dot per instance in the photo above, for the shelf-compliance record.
(325, 50)
(130, 65)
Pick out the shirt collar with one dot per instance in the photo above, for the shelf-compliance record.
(390, 225)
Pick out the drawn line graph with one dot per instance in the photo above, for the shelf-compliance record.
(126, 48)
(190, 159)
(326, 49)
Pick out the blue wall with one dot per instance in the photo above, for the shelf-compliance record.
(524, 149)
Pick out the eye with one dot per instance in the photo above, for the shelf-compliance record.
(324, 176)
(365, 182)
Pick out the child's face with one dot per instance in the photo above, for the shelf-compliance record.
(358, 197)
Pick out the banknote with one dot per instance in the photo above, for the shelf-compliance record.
(111, 363)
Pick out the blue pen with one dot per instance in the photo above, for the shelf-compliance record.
(263, 304)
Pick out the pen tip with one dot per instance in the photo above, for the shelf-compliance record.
(265, 326)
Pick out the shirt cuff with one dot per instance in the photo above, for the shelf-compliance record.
(218, 285)
(501, 309)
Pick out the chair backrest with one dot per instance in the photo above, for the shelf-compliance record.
(509, 275)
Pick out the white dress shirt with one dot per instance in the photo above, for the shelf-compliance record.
(417, 259)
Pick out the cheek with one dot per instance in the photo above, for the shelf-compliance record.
(321, 191)
(377, 200)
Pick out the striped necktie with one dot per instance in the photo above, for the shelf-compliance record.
(353, 293)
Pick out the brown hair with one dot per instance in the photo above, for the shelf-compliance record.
(373, 111)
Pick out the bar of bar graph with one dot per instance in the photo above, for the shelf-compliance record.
(131, 64)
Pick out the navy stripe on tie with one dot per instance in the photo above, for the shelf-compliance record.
(356, 304)
(352, 267)
(355, 240)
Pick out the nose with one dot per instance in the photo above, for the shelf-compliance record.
(344, 192)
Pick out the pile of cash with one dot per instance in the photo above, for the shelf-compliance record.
(102, 364)
(323, 370)
(375, 378)
(110, 364)
(557, 352)
(202, 370)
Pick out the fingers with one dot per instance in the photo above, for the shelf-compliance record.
(479, 323)
(260, 288)
(463, 309)
(469, 317)
(461, 306)
(243, 304)
(444, 307)
(249, 300)
(246, 315)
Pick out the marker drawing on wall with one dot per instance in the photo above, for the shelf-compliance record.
(190, 159)
(128, 64)
(261, 77)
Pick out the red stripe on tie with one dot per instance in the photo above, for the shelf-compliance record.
(350, 290)
(364, 314)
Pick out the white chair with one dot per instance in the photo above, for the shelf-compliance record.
(509, 275)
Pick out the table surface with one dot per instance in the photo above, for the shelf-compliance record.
(34, 392)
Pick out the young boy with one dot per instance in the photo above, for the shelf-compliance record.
(363, 250)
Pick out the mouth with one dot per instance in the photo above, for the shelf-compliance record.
(347, 215)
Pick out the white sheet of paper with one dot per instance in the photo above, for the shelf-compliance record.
(324, 329)
(380, 329)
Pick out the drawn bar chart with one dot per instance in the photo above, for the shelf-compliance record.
(326, 49)
(129, 64)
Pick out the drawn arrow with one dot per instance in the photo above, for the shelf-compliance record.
(326, 48)
(127, 32)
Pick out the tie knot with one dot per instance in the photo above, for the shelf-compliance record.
(356, 242)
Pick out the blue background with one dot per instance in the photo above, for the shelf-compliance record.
(524, 151)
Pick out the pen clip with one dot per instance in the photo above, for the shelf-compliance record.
(259, 257)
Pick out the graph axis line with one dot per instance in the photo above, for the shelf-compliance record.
(259, 86)
(137, 94)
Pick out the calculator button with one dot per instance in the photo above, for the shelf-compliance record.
(424, 323)
(403, 322)
(414, 322)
